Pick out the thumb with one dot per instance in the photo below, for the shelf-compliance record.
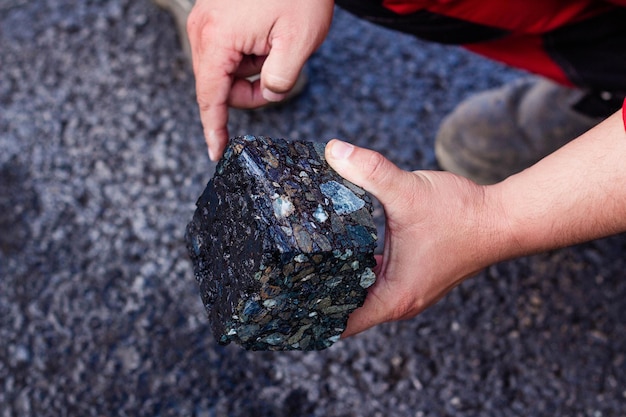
(280, 72)
(369, 170)
(298, 28)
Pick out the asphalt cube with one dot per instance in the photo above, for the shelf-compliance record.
(282, 246)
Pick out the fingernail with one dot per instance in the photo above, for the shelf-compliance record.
(341, 150)
(211, 143)
(272, 96)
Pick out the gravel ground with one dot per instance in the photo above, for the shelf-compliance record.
(101, 161)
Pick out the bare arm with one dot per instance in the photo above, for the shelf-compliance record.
(576, 194)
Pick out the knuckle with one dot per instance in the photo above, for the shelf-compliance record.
(193, 23)
(203, 104)
(206, 30)
(376, 167)
(201, 24)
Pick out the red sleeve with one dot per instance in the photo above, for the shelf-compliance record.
(624, 113)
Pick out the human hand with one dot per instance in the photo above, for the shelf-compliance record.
(443, 228)
(233, 40)
(439, 231)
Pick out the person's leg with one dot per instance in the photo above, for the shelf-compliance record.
(499, 132)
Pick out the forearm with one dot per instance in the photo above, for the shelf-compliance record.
(574, 195)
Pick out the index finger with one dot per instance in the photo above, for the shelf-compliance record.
(213, 70)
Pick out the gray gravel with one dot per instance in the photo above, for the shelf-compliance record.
(101, 161)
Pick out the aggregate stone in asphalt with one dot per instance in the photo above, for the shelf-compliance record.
(101, 161)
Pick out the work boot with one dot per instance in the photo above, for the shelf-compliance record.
(180, 9)
(500, 132)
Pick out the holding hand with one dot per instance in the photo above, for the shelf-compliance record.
(233, 40)
(443, 228)
(436, 234)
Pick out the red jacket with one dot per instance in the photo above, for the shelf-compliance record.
(575, 42)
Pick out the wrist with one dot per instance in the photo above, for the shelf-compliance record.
(471, 231)
(505, 241)
(494, 239)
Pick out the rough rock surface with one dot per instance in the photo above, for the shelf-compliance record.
(282, 246)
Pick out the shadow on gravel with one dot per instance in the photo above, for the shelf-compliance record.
(19, 205)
